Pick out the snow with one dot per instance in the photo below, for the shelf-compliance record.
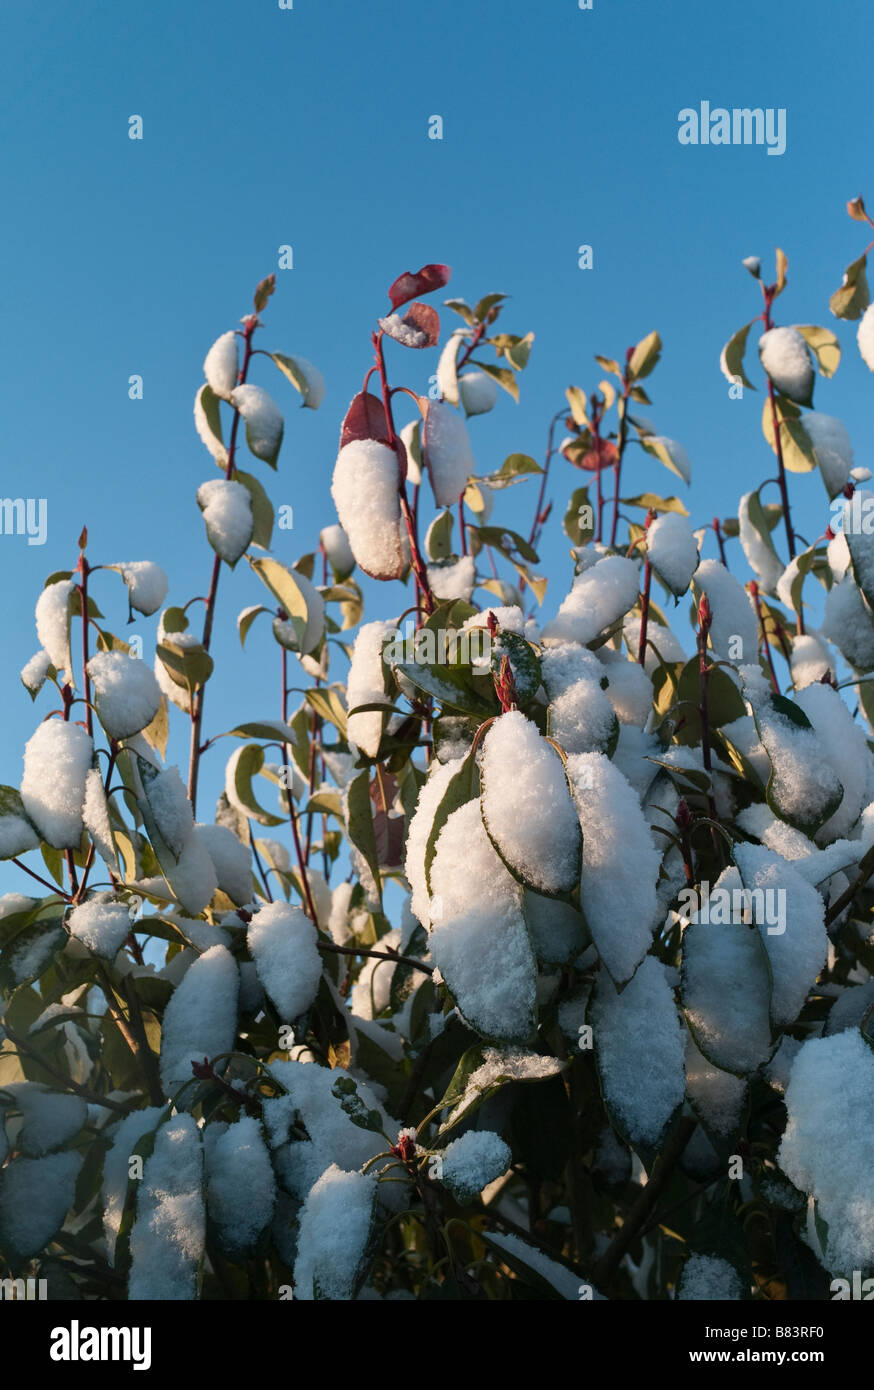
(668, 647)
(371, 991)
(50, 1118)
(147, 585)
(803, 781)
(581, 718)
(365, 492)
(221, 366)
(676, 452)
(411, 439)
(171, 808)
(365, 685)
(334, 1230)
(282, 941)
(620, 863)
(285, 633)
(672, 551)
(846, 752)
(479, 939)
(733, 613)
(169, 1233)
(455, 579)
(264, 422)
(193, 878)
(56, 762)
(53, 624)
(125, 1137)
(418, 833)
(797, 954)
(598, 597)
(35, 671)
(176, 694)
(240, 1187)
(629, 688)
(479, 392)
(338, 551)
(200, 1019)
(811, 659)
(726, 989)
(825, 1147)
(716, 1096)
(563, 1280)
(17, 836)
(760, 555)
(227, 512)
(708, 1278)
(447, 453)
(232, 861)
(557, 929)
(641, 1067)
(865, 337)
(500, 1065)
(103, 925)
(127, 695)
(850, 1007)
(472, 1162)
(833, 449)
(785, 357)
(527, 805)
(847, 622)
(95, 816)
(35, 1196)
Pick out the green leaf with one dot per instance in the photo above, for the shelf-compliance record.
(502, 375)
(447, 684)
(512, 470)
(524, 661)
(303, 376)
(574, 527)
(327, 703)
(438, 540)
(799, 455)
(463, 309)
(509, 543)
(477, 1077)
(578, 404)
(262, 508)
(247, 618)
(285, 588)
(245, 764)
(208, 421)
(188, 667)
(645, 356)
(650, 501)
(359, 825)
(824, 346)
(346, 1091)
(852, 298)
(487, 302)
(732, 359)
(609, 365)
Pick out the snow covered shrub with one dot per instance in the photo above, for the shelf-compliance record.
(480, 934)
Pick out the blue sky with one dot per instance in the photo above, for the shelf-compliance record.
(309, 127)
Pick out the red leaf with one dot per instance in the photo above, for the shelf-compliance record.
(365, 419)
(604, 455)
(388, 830)
(408, 286)
(419, 327)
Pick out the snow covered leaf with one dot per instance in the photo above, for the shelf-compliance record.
(227, 512)
(672, 551)
(803, 787)
(731, 360)
(419, 327)
(792, 926)
(482, 1071)
(35, 1196)
(168, 1237)
(599, 596)
(670, 453)
(282, 941)
(50, 1118)
(709, 1278)
(727, 988)
(187, 663)
(346, 1091)
(447, 453)
(299, 599)
(222, 365)
(231, 859)
(365, 489)
(786, 359)
(860, 542)
(35, 673)
(799, 455)
(244, 764)
(336, 1228)
(470, 1163)
(639, 1046)
(208, 423)
(17, 833)
(201, 1018)
(717, 1097)
(832, 449)
(57, 758)
(479, 393)
(527, 807)
(240, 1186)
(127, 695)
(103, 925)
(620, 864)
(411, 284)
(54, 609)
(756, 541)
(338, 551)
(367, 684)
(734, 632)
(447, 379)
(545, 1276)
(304, 377)
(264, 422)
(453, 786)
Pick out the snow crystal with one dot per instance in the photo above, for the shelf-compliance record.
(334, 1232)
(620, 863)
(527, 806)
(761, 556)
(785, 357)
(480, 941)
(365, 493)
(707, 1277)
(168, 1235)
(35, 1196)
(127, 694)
(447, 453)
(598, 597)
(825, 1147)
(125, 1136)
(419, 831)
(472, 1162)
(733, 612)
(282, 940)
(338, 550)
(227, 511)
(240, 1187)
(365, 685)
(102, 926)
(478, 392)
(641, 1068)
(221, 367)
(231, 859)
(672, 550)
(200, 1019)
(53, 623)
(56, 761)
(833, 449)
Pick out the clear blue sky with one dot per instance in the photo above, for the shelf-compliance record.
(309, 127)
